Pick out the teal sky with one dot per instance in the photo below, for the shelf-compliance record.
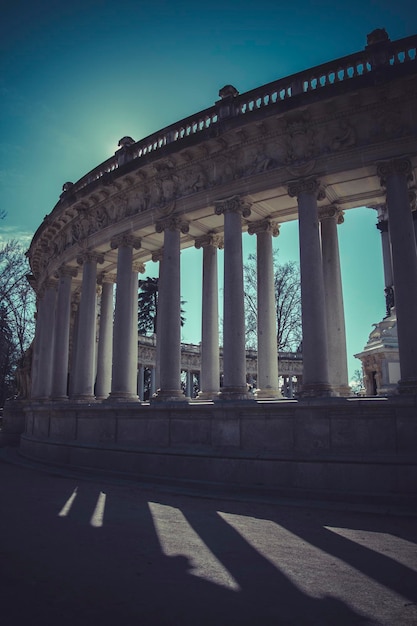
(76, 77)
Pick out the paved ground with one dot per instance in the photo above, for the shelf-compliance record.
(99, 551)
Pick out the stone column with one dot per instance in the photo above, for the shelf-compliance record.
(383, 228)
(36, 348)
(169, 312)
(210, 360)
(189, 379)
(62, 331)
(74, 323)
(330, 217)
(395, 176)
(268, 381)
(290, 387)
(234, 353)
(153, 388)
(123, 385)
(315, 359)
(158, 257)
(44, 350)
(137, 267)
(86, 336)
(140, 383)
(105, 338)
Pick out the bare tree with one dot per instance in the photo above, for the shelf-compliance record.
(17, 308)
(288, 303)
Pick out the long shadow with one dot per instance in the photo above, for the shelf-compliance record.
(381, 568)
(55, 567)
(269, 596)
(61, 570)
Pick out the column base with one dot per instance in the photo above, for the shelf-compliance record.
(344, 391)
(268, 394)
(120, 397)
(169, 395)
(59, 399)
(83, 399)
(407, 387)
(317, 390)
(207, 395)
(235, 393)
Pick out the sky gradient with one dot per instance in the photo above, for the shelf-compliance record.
(76, 77)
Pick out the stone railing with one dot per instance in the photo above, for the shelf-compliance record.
(378, 56)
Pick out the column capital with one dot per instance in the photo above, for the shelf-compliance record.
(264, 226)
(211, 239)
(125, 240)
(158, 255)
(331, 212)
(139, 268)
(234, 204)
(310, 185)
(49, 283)
(89, 255)
(105, 277)
(66, 270)
(172, 222)
(400, 166)
(382, 226)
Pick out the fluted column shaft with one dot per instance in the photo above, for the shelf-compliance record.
(123, 385)
(210, 362)
(141, 382)
(134, 355)
(157, 257)
(395, 176)
(169, 312)
(336, 333)
(105, 340)
(383, 227)
(268, 382)
(234, 353)
(86, 336)
(62, 330)
(45, 343)
(315, 354)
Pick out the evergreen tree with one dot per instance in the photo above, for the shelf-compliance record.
(148, 306)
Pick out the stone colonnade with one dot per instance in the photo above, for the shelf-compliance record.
(110, 373)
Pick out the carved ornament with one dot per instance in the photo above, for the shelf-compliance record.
(331, 212)
(65, 270)
(306, 185)
(211, 239)
(89, 256)
(394, 166)
(172, 223)
(234, 204)
(263, 226)
(125, 240)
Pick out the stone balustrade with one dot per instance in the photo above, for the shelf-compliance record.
(355, 65)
